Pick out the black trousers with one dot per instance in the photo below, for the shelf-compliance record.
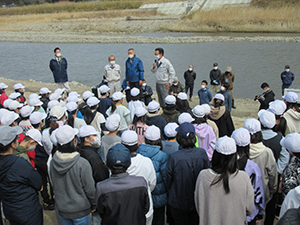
(159, 216)
(41, 166)
(36, 218)
(185, 217)
(191, 87)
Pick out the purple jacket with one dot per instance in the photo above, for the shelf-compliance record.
(206, 138)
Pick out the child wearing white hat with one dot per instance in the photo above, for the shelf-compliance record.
(170, 145)
(292, 113)
(20, 88)
(170, 112)
(105, 102)
(25, 112)
(3, 95)
(73, 120)
(139, 123)
(135, 102)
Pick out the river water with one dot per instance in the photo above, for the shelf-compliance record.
(252, 62)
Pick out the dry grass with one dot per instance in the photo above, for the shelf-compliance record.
(248, 19)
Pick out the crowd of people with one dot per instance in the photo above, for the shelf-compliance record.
(94, 160)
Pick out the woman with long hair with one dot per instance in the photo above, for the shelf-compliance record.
(223, 194)
(73, 120)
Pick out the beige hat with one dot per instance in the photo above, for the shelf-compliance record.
(228, 69)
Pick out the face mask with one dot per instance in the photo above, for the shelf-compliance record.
(202, 86)
(58, 54)
(17, 144)
(156, 57)
(144, 84)
(175, 84)
(96, 142)
(222, 88)
(31, 147)
(112, 62)
(190, 69)
(287, 70)
(130, 56)
(215, 68)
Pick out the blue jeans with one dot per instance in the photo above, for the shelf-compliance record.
(86, 220)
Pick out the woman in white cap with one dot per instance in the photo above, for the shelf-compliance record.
(139, 123)
(242, 140)
(3, 96)
(73, 120)
(221, 116)
(135, 101)
(224, 194)
(292, 113)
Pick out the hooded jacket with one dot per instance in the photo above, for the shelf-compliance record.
(265, 160)
(159, 160)
(206, 138)
(19, 186)
(157, 120)
(21, 152)
(59, 70)
(73, 185)
(292, 200)
(223, 120)
(170, 114)
(293, 120)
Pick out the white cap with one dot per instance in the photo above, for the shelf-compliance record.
(226, 145)
(134, 92)
(59, 91)
(35, 135)
(34, 95)
(18, 86)
(260, 112)
(252, 125)
(54, 96)
(103, 89)
(44, 90)
(182, 96)
(185, 117)
(170, 99)
(152, 133)
(52, 103)
(2, 112)
(219, 96)
(87, 130)
(26, 110)
(291, 142)
(6, 102)
(92, 101)
(112, 122)
(199, 111)
(129, 137)
(277, 107)
(14, 95)
(267, 119)
(73, 98)
(73, 93)
(14, 105)
(65, 134)
(35, 102)
(53, 137)
(170, 129)
(291, 97)
(87, 94)
(8, 118)
(36, 117)
(3, 86)
(153, 106)
(241, 137)
(207, 108)
(71, 106)
(140, 111)
(117, 96)
(57, 111)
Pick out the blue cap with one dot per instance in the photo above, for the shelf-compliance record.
(118, 157)
(186, 130)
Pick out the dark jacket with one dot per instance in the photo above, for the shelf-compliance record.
(59, 70)
(83, 107)
(40, 153)
(274, 145)
(19, 187)
(228, 77)
(134, 70)
(182, 170)
(45, 101)
(287, 78)
(158, 121)
(204, 96)
(223, 120)
(267, 98)
(100, 171)
(123, 199)
(104, 104)
(228, 100)
(189, 76)
(146, 98)
(215, 75)
(176, 89)
(291, 217)
(170, 114)
(159, 160)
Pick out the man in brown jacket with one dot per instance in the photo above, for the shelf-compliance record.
(228, 77)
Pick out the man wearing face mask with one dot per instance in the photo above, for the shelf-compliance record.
(134, 73)
(267, 97)
(228, 77)
(287, 78)
(58, 65)
(176, 87)
(112, 72)
(190, 77)
(215, 75)
(164, 75)
(147, 93)
(204, 94)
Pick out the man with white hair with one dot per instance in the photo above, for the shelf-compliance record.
(112, 72)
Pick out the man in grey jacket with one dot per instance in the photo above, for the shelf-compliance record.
(164, 74)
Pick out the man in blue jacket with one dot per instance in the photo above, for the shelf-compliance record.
(58, 65)
(204, 94)
(287, 78)
(134, 70)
